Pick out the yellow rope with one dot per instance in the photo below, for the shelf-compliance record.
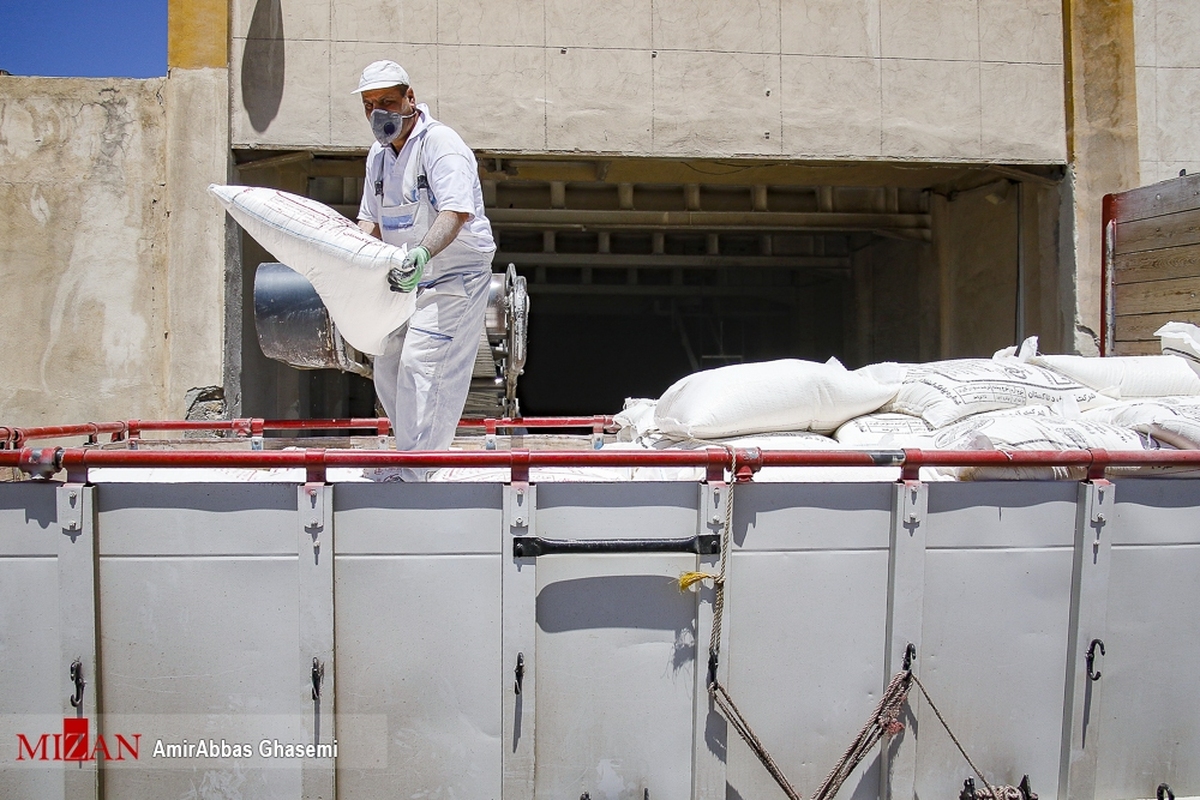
(689, 579)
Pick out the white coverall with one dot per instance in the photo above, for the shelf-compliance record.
(423, 376)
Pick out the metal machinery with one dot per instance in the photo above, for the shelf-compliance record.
(295, 327)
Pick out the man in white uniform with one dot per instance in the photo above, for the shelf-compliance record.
(422, 190)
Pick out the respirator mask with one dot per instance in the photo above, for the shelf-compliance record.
(387, 125)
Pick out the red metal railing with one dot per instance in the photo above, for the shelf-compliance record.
(15, 438)
(715, 461)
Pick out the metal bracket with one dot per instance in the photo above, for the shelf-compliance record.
(70, 511)
(534, 546)
(912, 506)
(316, 515)
(518, 512)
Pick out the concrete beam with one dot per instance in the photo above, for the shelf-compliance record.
(198, 154)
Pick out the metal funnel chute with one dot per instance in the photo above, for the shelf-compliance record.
(294, 327)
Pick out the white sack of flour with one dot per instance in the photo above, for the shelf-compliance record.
(1011, 432)
(1181, 339)
(1174, 421)
(1114, 376)
(762, 397)
(943, 392)
(1127, 376)
(885, 430)
(347, 267)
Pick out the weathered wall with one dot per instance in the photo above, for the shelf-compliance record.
(1167, 37)
(83, 252)
(205, 287)
(1102, 139)
(952, 80)
(205, 271)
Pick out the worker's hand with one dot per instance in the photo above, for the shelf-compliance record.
(405, 277)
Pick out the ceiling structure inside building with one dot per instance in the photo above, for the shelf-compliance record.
(654, 268)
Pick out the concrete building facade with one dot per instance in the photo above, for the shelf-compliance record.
(682, 186)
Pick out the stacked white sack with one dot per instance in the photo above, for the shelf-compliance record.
(1114, 376)
(943, 392)
(1009, 431)
(347, 267)
(762, 397)
(636, 420)
(1174, 421)
(1127, 376)
(1181, 339)
(885, 430)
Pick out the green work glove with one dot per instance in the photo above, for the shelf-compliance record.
(405, 277)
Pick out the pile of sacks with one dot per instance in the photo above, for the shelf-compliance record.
(1016, 400)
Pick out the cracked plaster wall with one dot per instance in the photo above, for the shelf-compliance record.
(1167, 43)
(83, 252)
(927, 80)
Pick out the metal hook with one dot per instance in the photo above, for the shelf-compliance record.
(77, 679)
(910, 655)
(1091, 658)
(519, 672)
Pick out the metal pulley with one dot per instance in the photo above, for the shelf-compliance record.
(507, 326)
(294, 327)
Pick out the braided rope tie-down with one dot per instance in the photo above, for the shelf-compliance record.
(884, 720)
(1006, 793)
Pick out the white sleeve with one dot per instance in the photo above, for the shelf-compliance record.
(451, 169)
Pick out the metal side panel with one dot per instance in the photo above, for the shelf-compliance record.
(995, 625)
(200, 628)
(616, 645)
(417, 620)
(807, 587)
(1150, 720)
(34, 682)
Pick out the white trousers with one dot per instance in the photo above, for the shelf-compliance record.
(424, 374)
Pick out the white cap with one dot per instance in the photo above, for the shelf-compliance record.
(381, 75)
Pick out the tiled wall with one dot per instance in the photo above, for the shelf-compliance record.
(936, 80)
(1167, 36)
